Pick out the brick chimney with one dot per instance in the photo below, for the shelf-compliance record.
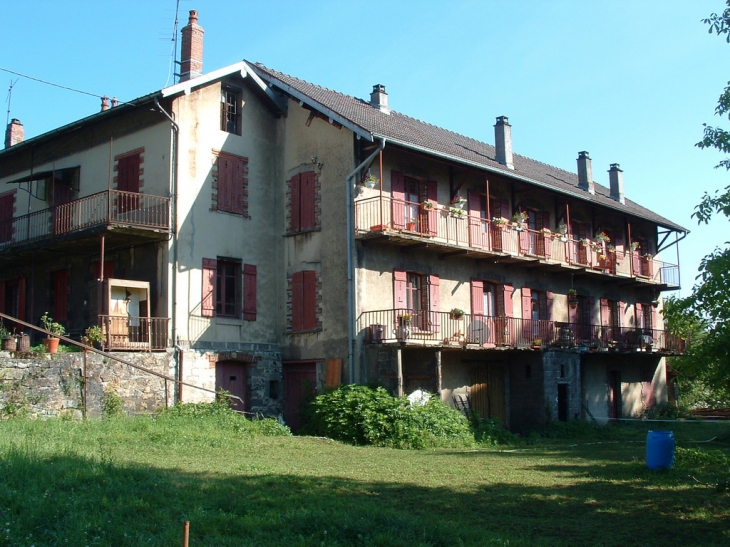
(379, 98)
(616, 178)
(14, 133)
(104, 103)
(585, 173)
(503, 141)
(191, 56)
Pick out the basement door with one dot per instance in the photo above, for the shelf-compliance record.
(614, 394)
(487, 392)
(231, 376)
(300, 381)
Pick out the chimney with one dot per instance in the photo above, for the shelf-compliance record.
(14, 134)
(616, 178)
(104, 103)
(191, 56)
(585, 173)
(503, 141)
(115, 102)
(379, 98)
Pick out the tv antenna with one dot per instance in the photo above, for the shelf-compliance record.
(10, 96)
(173, 53)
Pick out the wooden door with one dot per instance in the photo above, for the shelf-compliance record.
(300, 381)
(487, 392)
(231, 376)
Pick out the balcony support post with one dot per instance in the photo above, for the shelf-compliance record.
(438, 372)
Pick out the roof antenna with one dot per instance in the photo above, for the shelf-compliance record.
(10, 96)
(173, 54)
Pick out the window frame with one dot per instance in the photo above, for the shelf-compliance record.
(230, 110)
(223, 299)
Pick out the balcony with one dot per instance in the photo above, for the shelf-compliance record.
(443, 330)
(452, 233)
(126, 333)
(111, 208)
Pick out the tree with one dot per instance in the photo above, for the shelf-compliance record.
(706, 312)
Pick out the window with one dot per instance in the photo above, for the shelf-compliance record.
(417, 294)
(129, 171)
(303, 206)
(304, 312)
(644, 316)
(611, 319)
(536, 312)
(60, 295)
(231, 188)
(7, 208)
(408, 194)
(12, 298)
(223, 286)
(230, 110)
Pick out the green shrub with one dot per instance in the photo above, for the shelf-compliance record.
(666, 411)
(365, 416)
(112, 404)
(491, 432)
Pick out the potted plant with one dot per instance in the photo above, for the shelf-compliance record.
(9, 341)
(54, 331)
(94, 336)
(499, 222)
(572, 298)
(585, 241)
(546, 232)
(635, 245)
(562, 228)
(602, 236)
(537, 343)
(458, 202)
(456, 313)
(520, 220)
(405, 319)
(458, 213)
(426, 205)
(371, 181)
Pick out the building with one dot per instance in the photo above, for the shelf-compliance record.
(230, 219)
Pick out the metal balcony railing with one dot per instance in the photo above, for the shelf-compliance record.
(457, 228)
(128, 333)
(445, 329)
(112, 207)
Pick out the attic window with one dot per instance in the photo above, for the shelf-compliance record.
(230, 110)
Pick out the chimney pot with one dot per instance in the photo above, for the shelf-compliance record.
(115, 102)
(585, 173)
(503, 141)
(191, 54)
(15, 133)
(379, 98)
(104, 103)
(616, 178)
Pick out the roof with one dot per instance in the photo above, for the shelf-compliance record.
(369, 122)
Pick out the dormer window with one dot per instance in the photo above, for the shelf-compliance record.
(230, 110)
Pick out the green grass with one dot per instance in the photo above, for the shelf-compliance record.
(132, 482)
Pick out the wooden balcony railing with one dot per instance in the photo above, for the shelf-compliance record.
(112, 207)
(480, 331)
(463, 230)
(127, 333)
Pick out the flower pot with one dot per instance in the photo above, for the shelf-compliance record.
(51, 344)
(370, 184)
(411, 226)
(455, 316)
(10, 343)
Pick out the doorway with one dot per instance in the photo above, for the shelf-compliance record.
(614, 395)
(300, 382)
(231, 376)
(563, 402)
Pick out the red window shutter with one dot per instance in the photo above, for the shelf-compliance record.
(207, 302)
(434, 304)
(308, 216)
(297, 301)
(620, 315)
(295, 191)
(237, 186)
(638, 314)
(508, 293)
(477, 297)
(60, 295)
(654, 317)
(21, 298)
(128, 173)
(249, 292)
(605, 312)
(399, 289)
(225, 181)
(309, 315)
(526, 303)
(398, 190)
(476, 234)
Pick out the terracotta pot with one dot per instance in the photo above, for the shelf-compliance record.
(51, 345)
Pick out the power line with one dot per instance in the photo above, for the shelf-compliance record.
(50, 83)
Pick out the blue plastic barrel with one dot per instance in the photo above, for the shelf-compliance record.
(659, 449)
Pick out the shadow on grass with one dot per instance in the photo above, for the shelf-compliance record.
(85, 501)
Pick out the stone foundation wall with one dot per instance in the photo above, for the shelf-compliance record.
(53, 385)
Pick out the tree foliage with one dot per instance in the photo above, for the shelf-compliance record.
(704, 316)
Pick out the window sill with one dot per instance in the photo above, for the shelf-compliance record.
(318, 329)
(228, 321)
(292, 234)
(243, 214)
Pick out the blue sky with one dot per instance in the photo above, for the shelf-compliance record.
(629, 81)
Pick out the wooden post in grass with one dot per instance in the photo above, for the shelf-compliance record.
(186, 533)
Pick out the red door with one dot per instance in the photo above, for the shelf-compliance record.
(300, 381)
(231, 376)
(128, 181)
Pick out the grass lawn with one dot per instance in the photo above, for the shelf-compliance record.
(132, 482)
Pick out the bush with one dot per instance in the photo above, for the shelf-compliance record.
(365, 416)
(112, 405)
(491, 432)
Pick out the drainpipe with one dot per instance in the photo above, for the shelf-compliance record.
(351, 296)
(173, 225)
